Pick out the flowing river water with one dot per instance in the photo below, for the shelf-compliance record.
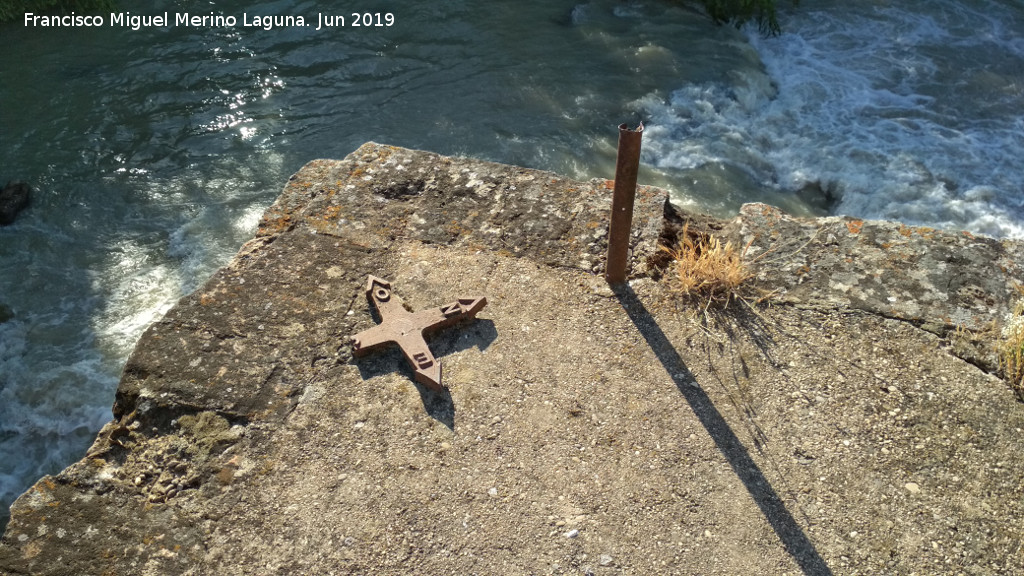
(153, 152)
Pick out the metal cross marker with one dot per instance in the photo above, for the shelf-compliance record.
(406, 328)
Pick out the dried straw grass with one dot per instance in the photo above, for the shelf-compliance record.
(704, 267)
(1011, 349)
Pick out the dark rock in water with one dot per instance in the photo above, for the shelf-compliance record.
(5, 313)
(824, 198)
(13, 199)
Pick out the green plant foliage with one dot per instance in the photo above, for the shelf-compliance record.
(15, 9)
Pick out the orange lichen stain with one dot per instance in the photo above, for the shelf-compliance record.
(593, 224)
(886, 245)
(967, 234)
(206, 299)
(771, 214)
(274, 224)
(609, 184)
(904, 230)
(385, 153)
(331, 213)
(457, 229)
(925, 232)
(854, 226)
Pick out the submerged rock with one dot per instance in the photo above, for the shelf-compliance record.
(13, 199)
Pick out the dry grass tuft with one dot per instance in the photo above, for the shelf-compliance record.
(1011, 349)
(703, 267)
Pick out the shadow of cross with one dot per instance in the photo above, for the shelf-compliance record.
(407, 328)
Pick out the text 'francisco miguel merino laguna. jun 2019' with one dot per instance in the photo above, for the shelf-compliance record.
(211, 20)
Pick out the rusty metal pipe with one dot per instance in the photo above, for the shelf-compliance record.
(626, 166)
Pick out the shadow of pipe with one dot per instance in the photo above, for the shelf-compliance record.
(796, 542)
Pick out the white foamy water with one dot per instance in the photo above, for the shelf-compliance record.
(83, 307)
(909, 111)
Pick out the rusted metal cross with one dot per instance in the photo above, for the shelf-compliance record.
(407, 329)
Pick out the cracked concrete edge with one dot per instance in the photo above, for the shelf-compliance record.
(955, 284)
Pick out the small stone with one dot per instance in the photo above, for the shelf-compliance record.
(572, 533)
(912, 487)
(605, 560)
(493, 492)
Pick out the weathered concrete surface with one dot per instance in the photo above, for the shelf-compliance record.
(583, 431)
(940, 281)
